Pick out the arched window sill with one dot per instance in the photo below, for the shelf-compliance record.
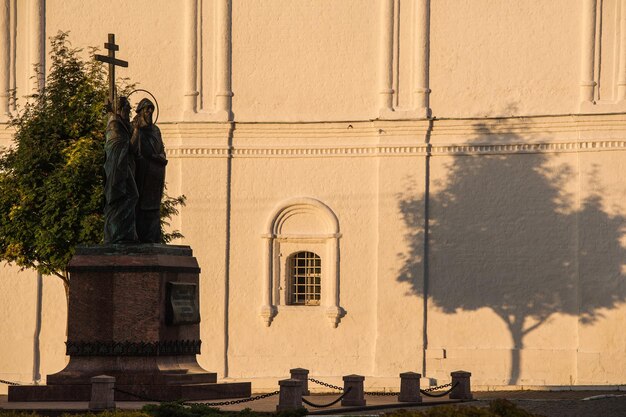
(333, 313)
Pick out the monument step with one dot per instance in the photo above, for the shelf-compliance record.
(127, 378)
(82, 392)
(191, 378)
(216, 391)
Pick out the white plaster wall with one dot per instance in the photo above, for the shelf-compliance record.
(18, 308)
(399, 263)
(203, 222)
(602, 273)
(260, 184)
(503, 249)
(313, 62)
(18, 304)
(496, 58)
(149, 33)
(523, 211)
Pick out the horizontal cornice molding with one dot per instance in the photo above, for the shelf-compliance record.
(385, 151)
(537, 134)
(378, 138)
(298, 152)
(512, 148)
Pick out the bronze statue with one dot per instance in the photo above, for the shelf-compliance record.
(149, 173)
(134, 166)
(120, 189)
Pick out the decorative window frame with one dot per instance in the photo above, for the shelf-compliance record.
(593, 59)
(278, 246)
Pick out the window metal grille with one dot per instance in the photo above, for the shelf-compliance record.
(306, 272)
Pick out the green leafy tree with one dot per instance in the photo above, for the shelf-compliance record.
(51, 179)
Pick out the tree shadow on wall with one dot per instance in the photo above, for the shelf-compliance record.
(505, 234)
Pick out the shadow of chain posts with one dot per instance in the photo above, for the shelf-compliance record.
(214, 404)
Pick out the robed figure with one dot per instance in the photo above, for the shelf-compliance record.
(149, 173)
(120, 189)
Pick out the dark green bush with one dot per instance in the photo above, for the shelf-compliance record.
(15, 413)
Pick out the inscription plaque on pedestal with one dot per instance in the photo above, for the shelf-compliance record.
(182, 303)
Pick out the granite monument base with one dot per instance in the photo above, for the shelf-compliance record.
(133, 315)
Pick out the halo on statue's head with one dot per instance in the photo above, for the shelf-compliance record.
(156, 103)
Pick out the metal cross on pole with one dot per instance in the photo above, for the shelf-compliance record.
(113, 62)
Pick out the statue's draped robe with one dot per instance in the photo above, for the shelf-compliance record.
(150, 177)
(120, 189)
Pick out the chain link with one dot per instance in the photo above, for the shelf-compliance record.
(428, 392)
(312, 404)
(239, 401)
(325, 384)
(2, 381)
(431, 389)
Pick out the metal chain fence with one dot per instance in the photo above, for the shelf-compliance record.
(2, 381)
(238, 401)
(428, 392)
(312, 404)
(335, 387)
(438, 387)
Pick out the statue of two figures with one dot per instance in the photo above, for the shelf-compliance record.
(135, 175)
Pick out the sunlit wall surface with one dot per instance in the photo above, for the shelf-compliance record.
(455, 164)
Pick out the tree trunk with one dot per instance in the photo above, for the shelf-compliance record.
(66, 287)
(36, 336)
(517, 334)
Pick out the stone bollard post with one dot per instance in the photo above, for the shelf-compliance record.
(102, 394)
(461, 391)
(301, 374)
(410, 388)
(290, 397)
(356, 395)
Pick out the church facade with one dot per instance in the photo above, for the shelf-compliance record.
(373, 186)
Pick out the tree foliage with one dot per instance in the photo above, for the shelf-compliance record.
(51, 179)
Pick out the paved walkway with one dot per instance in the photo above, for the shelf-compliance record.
(563, 403)
(546, 403)
(265, 404)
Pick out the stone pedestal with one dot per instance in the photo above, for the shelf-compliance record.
(356, 396)
(290, 396)
(410, 387)
(133, 315)
(461, 389)
(102, 393)
(301, 374)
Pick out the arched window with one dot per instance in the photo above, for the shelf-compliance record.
(301, 268)
(305, 276)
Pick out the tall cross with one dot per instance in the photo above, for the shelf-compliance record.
(113, 62)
